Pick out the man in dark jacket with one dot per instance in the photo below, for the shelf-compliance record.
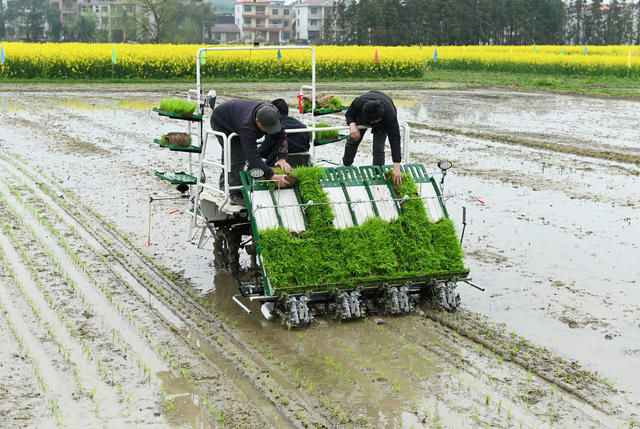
(375, 109)
(251, 120)
(296, 142)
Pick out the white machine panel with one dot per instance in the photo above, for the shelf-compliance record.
(263, 210)
(343, 217)
(387, 208)
(289, 209)
(431, 201)
(364, 209)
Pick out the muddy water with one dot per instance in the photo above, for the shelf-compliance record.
(552, 237)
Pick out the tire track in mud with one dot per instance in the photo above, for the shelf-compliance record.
(146, 275)
(377, 358)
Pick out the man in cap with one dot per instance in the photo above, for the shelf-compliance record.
(375, 109)
(250, 119)
(296, 142)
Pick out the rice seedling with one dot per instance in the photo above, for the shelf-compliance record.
(171, 404)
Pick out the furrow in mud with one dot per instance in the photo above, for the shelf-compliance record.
(147, 275)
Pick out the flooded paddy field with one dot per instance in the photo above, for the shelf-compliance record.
(106, 325)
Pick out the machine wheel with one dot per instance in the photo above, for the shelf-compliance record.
(226, 248)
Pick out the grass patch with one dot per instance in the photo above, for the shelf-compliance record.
(408, 246)
(595, 85)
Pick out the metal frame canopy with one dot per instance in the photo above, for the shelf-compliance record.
(266, 48)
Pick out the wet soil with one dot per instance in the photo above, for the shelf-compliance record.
(121, 322)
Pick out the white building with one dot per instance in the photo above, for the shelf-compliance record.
(309, 18)
(264, 21)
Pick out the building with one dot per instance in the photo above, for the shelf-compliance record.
(223, 10)
(309, 19)
(226, 33)
(264, 21)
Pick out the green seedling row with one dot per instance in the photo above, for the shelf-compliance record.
(64, 351)
(293, 371)
(55, 409)
(75, 258)
(165, 356)
(107, 371)
(88, 224)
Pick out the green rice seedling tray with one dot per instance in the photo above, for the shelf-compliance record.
(382, 192)
(191, 148)
(321, 112)
(174, 115)
(358, 194)
(177, 178)
(320, 142)
(366, 252)
(427, 188)
(271, 207)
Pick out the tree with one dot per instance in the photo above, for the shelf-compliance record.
(3, 28)
(123, 23)
(188, 31)
(638, 23)
(29, 17)
(577, 29)
(85, 27)
(55, 23)
(334, 29)
(593, 32)
(612, 24)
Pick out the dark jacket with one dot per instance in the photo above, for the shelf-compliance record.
(239, 116)
(388, 124)
(296, 142)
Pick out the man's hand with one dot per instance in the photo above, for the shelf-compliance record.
(354, 132)
(280, 178)
(284, 165)
(396, 175)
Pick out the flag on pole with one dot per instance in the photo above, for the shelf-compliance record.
(113, 55)
(279, 55)
(435, 54)
(377, 58)
(585, 48)
(1, 54)
(203, 58)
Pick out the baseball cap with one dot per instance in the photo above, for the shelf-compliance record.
(269, 118)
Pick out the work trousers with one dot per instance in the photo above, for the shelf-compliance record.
(237, 155)
(351, 148)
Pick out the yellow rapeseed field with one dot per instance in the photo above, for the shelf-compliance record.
(87, 61)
